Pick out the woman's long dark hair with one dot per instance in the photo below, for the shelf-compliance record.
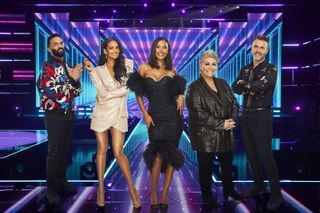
(153, 59)
(119, 66)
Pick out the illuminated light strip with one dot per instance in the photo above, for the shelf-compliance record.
(21, 33)
(175, 40)
(291, 45)
(14, 93)
(15, 44)
(5, 33)
(13, 15)
(23, 71)
(12, 22)
(25, 199)
(294, 203)
(290, 68)
(5, 60)
(53, 15)
(316, 65)
(223, 36)
(304, 67)
(229, 46)
(142, 47)
(22, 76)
(127, 141)
(21, 60)
(80, 199)
(134, 45)
(240, 207)
(38, 16)
(148, 42)
(181, 45)
(182, 195)
(307, 42)
(12, 49)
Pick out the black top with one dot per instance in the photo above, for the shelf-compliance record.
(261, 81)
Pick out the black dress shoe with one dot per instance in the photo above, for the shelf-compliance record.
(53, 196)
(253, 191)
(233, 194)
(67, 188)
(274, 202)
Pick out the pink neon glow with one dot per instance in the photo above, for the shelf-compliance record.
(278, 15)
(11, 22)
(38, 15)
(11, 49)
(15, 44)
(22, 71)
(53, 16)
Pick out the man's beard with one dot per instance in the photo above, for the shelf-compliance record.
(57, 53)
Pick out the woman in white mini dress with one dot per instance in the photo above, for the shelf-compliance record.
(110, 112)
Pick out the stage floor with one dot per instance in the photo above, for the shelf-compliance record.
(184, 195)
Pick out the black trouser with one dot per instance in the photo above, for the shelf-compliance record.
(256, 130)
(59, 127)
(205, 165)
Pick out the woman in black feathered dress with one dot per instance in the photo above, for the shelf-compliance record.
(158, 81)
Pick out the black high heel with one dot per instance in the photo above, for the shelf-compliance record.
(155, 206)
(163, 205)
(100, 208)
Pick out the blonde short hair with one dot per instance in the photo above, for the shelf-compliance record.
(208, 54)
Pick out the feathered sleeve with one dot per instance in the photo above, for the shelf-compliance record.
(179, 85)
(136, 84)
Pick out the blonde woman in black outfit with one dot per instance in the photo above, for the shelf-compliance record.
(212, 117)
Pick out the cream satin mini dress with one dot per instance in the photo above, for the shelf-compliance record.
(110, 109)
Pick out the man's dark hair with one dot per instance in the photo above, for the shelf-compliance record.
(262, 38)
(51, 37)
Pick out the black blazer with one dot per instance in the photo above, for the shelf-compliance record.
(207, 112)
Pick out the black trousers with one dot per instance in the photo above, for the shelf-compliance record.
(60, 128)
(205, 166)
(256, 130)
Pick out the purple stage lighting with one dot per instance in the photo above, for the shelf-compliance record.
(173, 4)
(145, 4)
(297, 108)
(201, 11)
(141, 21)
(114, 11)
(183, 11)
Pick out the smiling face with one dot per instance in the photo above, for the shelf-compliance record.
(208, 67)
(112, 50)
(259, 50)
(56, 47)
(162, 50)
